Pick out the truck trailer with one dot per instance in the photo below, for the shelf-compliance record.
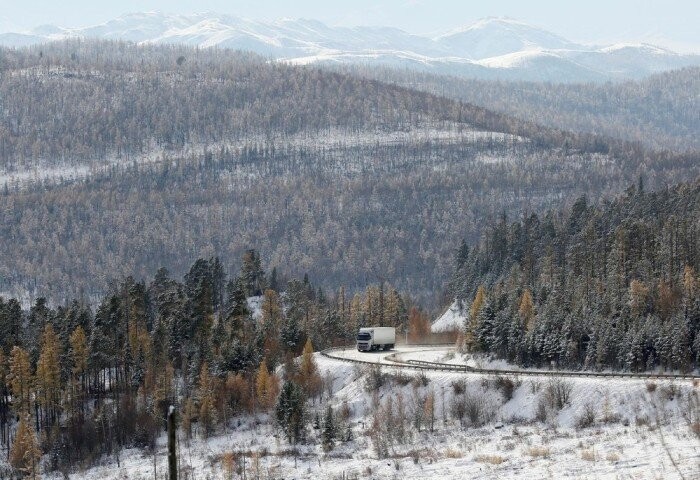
(376, 338)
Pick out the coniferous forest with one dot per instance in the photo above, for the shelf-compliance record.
(78, 384)
(596, 286)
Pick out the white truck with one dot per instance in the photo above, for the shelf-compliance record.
(376, 338)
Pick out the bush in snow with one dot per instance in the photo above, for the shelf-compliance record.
(587, 417)
(558, 393)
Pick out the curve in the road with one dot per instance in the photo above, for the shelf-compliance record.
(392, 358)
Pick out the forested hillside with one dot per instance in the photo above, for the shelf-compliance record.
(660, 111)
(609, 285)
(91, 383)
(83, 100)
(160, 155)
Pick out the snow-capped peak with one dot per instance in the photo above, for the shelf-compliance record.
(495, 46)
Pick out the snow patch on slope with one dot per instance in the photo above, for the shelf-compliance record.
(453, 319)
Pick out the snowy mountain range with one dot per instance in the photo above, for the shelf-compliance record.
(490, 48)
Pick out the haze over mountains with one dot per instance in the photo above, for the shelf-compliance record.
(492, 48)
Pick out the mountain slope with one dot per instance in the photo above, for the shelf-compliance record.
(493, 37)
(490, 48)
(660, 111)
(166, 154)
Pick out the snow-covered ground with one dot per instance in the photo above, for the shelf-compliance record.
(453, 319)
(638, 430)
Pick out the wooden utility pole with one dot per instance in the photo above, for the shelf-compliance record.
(172, 454)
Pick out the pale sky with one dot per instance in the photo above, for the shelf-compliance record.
(671, 23)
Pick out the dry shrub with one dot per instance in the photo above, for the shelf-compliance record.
(541, 410)
(558, 393)
(589, 455)
(420, 379)
(670, 391)
(459, 387)
(535, 386)
(399, 378)
(641, 421)
(612, 457)
(538, 452)
(507, 386)
(375, 378)
(587, 417)
(476, 411)
(651, 387)
(695, 428)
(491, 459)
(453, 453)
(228, 464)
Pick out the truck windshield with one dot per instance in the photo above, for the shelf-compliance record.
(364, 336)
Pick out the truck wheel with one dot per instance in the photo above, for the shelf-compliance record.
(391, 347)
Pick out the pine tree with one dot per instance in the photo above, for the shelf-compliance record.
(207, 410)
(290, 412)
(291, 334)
(329, 432)
(252, 274)
(638, 295)
(271, 310)
(10, 324)
(394, 311)
(188, 414)
(357, 317)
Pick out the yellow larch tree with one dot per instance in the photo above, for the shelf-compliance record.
(20, 379)
(25, 453)
(527, 310)
(48, 375)
(470, 335)
(309, 377)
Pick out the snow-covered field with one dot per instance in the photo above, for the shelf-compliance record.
(635, 429)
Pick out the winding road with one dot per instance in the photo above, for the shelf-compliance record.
(404, 356)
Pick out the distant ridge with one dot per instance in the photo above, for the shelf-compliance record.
(491, 48)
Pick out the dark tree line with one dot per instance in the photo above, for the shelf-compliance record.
(612, 285)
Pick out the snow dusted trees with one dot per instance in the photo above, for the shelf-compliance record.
(290, 411)
(102, 382)
(615, 286)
